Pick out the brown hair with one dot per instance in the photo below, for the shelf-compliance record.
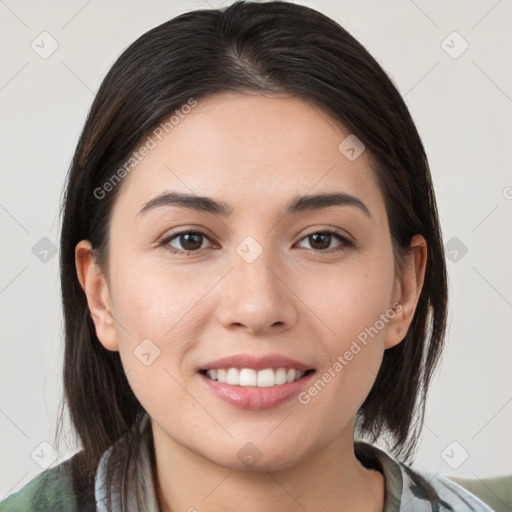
(273, 47)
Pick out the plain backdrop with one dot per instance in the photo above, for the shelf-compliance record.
(451, 62)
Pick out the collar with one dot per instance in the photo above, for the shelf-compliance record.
(108, 498)
(405, 489)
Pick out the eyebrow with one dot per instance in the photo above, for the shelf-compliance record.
(209, 205)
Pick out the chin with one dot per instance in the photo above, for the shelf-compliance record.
(256, 458)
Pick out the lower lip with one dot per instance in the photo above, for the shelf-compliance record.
(254, 398)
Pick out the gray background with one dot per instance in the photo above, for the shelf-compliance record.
(462, 105)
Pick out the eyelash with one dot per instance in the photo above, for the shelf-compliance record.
(344, 245)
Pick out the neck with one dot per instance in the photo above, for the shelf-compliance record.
(331, 479)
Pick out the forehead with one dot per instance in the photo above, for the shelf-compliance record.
(249, 150)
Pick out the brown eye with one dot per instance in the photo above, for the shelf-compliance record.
(186, 241)
(191, 241)
(321, 241)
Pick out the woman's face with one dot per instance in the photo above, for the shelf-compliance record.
(257, 278)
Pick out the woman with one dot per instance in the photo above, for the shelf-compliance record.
(251, 265)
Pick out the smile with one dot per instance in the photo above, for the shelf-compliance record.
(265, 378)
(246, 388)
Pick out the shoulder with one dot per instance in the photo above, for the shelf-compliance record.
(495, 491)
(450, 495)
(51, 490)
(411, 490)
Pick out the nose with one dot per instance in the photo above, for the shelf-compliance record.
(257, 297)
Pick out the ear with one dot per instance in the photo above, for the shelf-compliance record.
(95, 286)
(406, 291)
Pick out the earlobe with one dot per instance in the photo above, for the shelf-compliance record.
(407, 291)
(95, 286)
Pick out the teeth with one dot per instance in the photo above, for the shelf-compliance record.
(290, 375)
(233, 377)
(280, 377)
(266, 378)
(248, 377)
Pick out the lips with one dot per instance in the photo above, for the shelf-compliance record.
(274, 361)
(251, 382)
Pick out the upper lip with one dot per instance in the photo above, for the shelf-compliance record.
(256, 362)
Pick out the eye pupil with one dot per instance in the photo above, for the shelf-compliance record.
(320, 240)
(191, 241)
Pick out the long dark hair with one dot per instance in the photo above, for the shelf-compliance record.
(272, 48)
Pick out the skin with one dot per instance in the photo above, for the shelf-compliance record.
(254, 153)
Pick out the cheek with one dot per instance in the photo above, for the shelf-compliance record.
(160, 313)
(353, 305)
(155, 300)
(350, 299)
(353, 351)
(159, 316)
